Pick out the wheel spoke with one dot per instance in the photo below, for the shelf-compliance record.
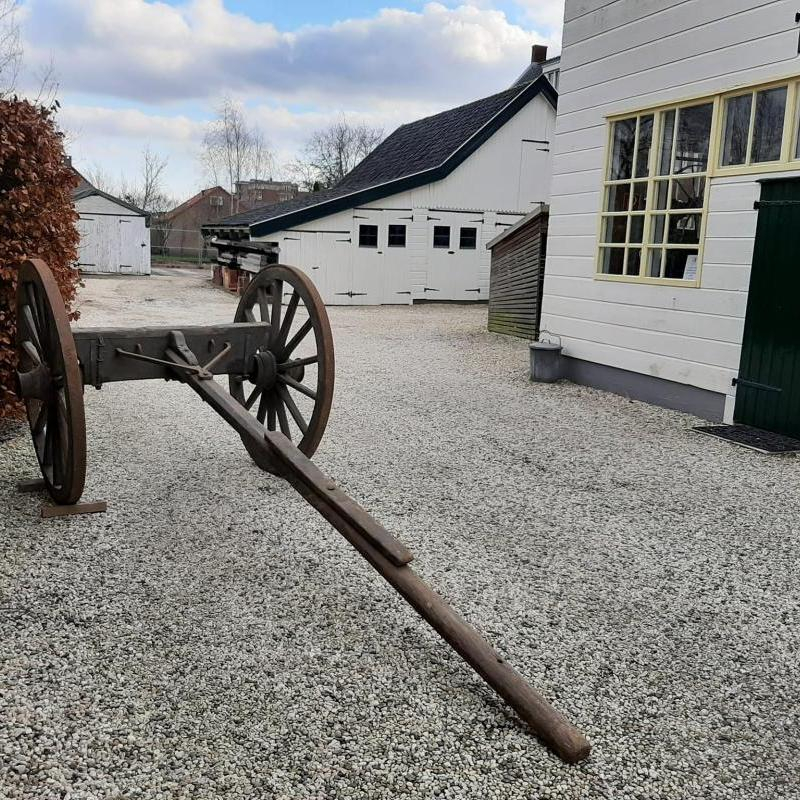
(293, 409)
(298, 337)
(47, 454)
(263, 303)
(31, 352)
(296, 385)
(275, 317)
(249, 316)
(253, 397)
(37, 426)
(34, 305)
(282, 419)
(288, 318)
(27, 316)
(298, 362)
(262, 408)
(271, 421)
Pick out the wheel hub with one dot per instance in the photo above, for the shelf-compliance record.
(35, 384)
(264, 373)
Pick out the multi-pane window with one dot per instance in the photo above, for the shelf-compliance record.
(753, 127)
(468, 238)
(367, 235)
(397, 236)
(441, 236)
(655, 194)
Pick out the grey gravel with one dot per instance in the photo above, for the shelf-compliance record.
(211, 637)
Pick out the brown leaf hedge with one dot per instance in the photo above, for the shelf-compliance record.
(37, 218)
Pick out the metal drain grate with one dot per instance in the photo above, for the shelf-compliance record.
(754, 438)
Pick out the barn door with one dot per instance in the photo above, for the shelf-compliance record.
(768, 386)
(130, 246)
(87, 249)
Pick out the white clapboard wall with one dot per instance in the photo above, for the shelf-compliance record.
(502, 181)
(619, 57)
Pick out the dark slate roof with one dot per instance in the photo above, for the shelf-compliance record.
(531, 73)
(415, 154)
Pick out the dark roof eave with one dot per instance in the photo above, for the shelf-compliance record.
(368, 194)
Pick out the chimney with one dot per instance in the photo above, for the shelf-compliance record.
(538, 53)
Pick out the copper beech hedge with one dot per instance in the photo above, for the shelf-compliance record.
(37, 218)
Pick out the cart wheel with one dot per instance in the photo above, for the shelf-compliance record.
(290, 385)
(49, 382)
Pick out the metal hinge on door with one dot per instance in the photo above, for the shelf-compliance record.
(351, 294)
(771, 203)
(428, 289)
(754, 385)
(473, 290)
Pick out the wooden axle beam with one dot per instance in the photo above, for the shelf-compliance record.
(125, 354)
(391, 559)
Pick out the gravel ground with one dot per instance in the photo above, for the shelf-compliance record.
(211, 637)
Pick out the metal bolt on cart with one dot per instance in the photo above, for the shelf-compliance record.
(278, 356)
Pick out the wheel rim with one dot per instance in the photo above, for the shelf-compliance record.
(290, 385)
(49, 382)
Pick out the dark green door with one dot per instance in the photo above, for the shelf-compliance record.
(768, 386)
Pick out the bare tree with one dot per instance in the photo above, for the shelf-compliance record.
(147, 191)
(233, 150)
(332, 152)
(10, 47)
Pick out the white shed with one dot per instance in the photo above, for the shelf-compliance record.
(412, 220)
(676, 140)
(115, 235)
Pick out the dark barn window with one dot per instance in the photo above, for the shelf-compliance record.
(367, 235)
(468, 239)
(441, 236)
(397, 236)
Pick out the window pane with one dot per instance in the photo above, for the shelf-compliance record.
(397, 236)
(614, 229)
(468, 238)
(768, 126)
(624, 135)
(637, 228)
(441, 236)
(618, 197)
(661, 194)
(681, 264)
(639, 196)
(737, 128)
(657, 225)
(367, 235)
(688, 192)
(643, 148)
(691, 143)
(667, 131)
(634, 261)
(654, 264)
(612, 260)
(684, 229)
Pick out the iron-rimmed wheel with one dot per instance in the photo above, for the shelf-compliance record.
(290, 383)
(49, 382)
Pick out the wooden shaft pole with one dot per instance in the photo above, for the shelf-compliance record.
(547, 723)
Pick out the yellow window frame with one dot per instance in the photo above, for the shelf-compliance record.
(789, 159)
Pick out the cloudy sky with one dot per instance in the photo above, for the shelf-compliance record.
(138, 72)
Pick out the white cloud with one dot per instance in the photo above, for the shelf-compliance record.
(154, 52)
(174, 62)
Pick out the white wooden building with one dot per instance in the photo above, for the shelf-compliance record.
(672, 114)
(115, 235)
(412, 220)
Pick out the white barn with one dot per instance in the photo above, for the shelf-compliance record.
(115, 235)
(412, 220)
(676, 141)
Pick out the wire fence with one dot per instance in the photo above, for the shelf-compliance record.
(184, 246)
